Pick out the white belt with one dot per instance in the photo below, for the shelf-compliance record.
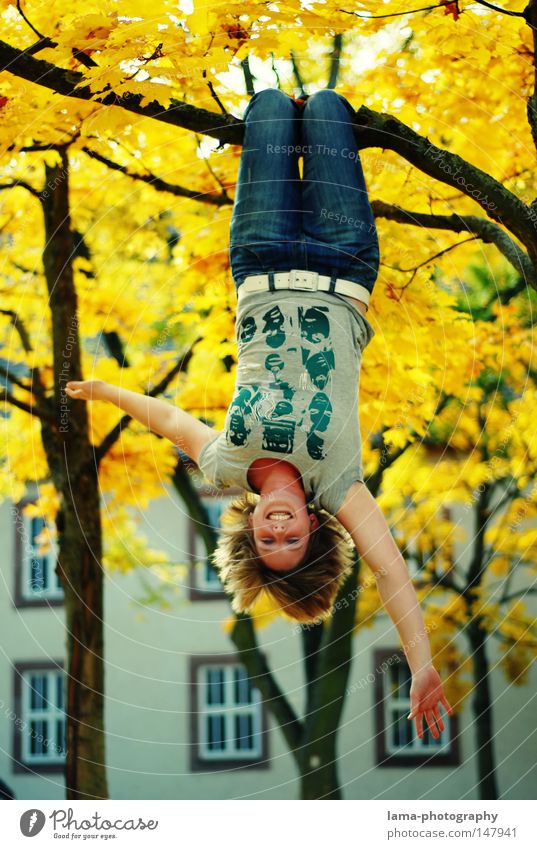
(311, 281)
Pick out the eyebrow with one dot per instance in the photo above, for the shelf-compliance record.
(293, 545)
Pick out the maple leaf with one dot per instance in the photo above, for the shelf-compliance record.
(451, 8)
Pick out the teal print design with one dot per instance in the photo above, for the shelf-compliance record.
(275, 365)
(282, 408)
(239, 411)
(316, 346)
(273, 329)
(320, 410)
(315, 445)
(278, 435)
(246, 329)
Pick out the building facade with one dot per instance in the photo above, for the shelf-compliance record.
(183, 721)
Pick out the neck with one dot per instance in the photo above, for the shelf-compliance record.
(281, 476)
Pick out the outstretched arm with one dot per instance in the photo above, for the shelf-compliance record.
(364, 520)
(184, 430)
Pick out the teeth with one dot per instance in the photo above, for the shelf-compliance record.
(278, 515)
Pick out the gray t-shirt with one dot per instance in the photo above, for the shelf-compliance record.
(296, 393)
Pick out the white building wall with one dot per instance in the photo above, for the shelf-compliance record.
(148, 652)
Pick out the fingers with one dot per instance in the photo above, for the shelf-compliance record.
(433, 717)
(446, 703)
(438, 717)
(75, 389)
(431, 722)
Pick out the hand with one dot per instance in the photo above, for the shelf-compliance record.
(425, 693)
(85, 390)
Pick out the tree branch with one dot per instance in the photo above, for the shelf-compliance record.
(13, 379)
(530, 16)
(518, 594)
(335, 56)
(46, 42)
(296, 72)
(23, 185)
(159, 184)
(36, 383)
(375, 129)
(372, 129)
(248, 77)
(23, 16)
(486, 230)
(244, 638)
(226, 128)
(33, 409)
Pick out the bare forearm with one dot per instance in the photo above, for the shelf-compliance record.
(184, 430)
(399, 598)
(364, 520)
(154, 413)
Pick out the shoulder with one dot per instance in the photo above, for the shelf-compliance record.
(354, 501)
(208, 442)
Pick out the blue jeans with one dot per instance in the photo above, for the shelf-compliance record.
(323, 222)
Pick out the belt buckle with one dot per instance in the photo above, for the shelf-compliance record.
(299, 279)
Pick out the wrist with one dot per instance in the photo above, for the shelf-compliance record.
(419, 656)
(421, 669)
(104, 391)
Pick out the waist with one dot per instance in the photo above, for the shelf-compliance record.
(307, 281)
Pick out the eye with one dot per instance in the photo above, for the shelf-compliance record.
(295, 539)
(266, 541)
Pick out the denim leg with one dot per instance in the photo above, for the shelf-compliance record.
(266, 220)
(337, 219)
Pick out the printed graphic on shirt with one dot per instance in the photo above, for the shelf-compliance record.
(316, 345)
(254, 404)
(246, 330)
(278, 435)
(239, 411)
(320, 410)
(273, 407)
(273, 328)
(275, 365)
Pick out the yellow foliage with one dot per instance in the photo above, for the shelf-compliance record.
(125, 548)
(153, 268)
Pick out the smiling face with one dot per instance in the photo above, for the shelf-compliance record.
(282, 528)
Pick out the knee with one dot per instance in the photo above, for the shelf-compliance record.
(324, 100)
(273, 100)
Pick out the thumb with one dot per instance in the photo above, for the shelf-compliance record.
(413, 712)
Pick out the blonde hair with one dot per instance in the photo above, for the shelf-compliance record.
(307, 592)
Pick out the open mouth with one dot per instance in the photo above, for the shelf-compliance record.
(278, 515)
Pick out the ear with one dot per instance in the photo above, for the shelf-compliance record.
(314, 521)
(250, 519)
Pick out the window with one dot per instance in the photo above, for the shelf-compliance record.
(204, 581)
(39, 731)
(228, 719)
(36, 581)
(397, 741)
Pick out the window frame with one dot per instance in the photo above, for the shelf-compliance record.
(20, 533)
(195, 591)
(197, 762)
(20, 765)
(384, 757)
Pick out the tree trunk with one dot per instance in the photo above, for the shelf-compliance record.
(319, 774)
(482, 709)
(79, 565)
(74, 472)
(327, 665)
